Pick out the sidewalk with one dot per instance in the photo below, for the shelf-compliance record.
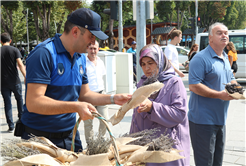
(235, 149)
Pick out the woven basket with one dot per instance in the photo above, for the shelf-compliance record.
(97, 115)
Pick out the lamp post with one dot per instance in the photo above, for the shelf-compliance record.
(120, 32)
(27, 33)
(196, 17)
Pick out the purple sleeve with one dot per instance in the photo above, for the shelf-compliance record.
(170, 107)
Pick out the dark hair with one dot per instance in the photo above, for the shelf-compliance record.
(192, 48)
(5, 37)
(175, 33)
(68, 26)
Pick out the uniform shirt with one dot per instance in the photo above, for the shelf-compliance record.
(213, 71)
(172, 54)
(50, 63)
(9, 71)
(95, 74)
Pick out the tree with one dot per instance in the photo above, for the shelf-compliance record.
(235, 17)
(212, 11)
(165, 10)
(41, 9)
(98, 7)
(181, 7)
(7, 20)
(231, 16)
(241, 8)
(19, 22)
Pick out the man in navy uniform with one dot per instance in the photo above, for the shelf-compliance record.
(57, 84)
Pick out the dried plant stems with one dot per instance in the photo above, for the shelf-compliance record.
(148, 138)
(11, 151)
(97, 145)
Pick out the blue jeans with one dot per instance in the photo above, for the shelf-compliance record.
(6, 93)
(208, 142)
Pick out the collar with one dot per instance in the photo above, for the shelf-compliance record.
(213, 54)
(171, 45)
(59, 46)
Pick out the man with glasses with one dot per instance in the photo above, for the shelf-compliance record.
(57, 84)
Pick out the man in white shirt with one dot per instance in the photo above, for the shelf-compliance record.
(95, 71)
(172, 53)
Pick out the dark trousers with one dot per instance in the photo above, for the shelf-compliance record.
(64, 143)
(208, 144)
(6, 93)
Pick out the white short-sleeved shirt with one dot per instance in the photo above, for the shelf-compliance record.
(172, 54)
(95, 74)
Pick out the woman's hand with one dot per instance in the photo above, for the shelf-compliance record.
(145, 106)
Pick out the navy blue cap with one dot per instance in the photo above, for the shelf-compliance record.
(134, 42)
(88, 19)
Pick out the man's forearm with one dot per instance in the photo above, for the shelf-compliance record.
(204, 91)
(46, 106)
(95, 99)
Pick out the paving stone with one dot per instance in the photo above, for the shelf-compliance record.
(230, 158)
(241, 154)
(241, 161)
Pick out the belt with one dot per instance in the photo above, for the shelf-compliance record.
(47, 134)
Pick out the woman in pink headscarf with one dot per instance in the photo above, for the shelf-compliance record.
(167, 108)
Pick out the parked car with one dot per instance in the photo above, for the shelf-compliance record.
(183, 55)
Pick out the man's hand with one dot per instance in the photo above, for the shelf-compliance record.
(225, 96)
(145, 106)
(85, 110)
(121, 99)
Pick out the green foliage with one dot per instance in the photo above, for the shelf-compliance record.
(127, 14)
(72, 5)
(236, 15)
(165, 10)
(34, 4)
(98, 7)
(19, 25)
(212, 11)
(230, 18)
(231, 13)
(10, 5)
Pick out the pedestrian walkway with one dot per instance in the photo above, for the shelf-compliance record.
(235, 149)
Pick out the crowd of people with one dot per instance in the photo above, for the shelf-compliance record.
(62, 82)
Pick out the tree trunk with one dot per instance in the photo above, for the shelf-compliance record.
(35, 16)
(4, 24)
(11, 23)
(111, 34)
(181, 20)
(171, 20)
(46, 21)
(178, 18)
(60, 23)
